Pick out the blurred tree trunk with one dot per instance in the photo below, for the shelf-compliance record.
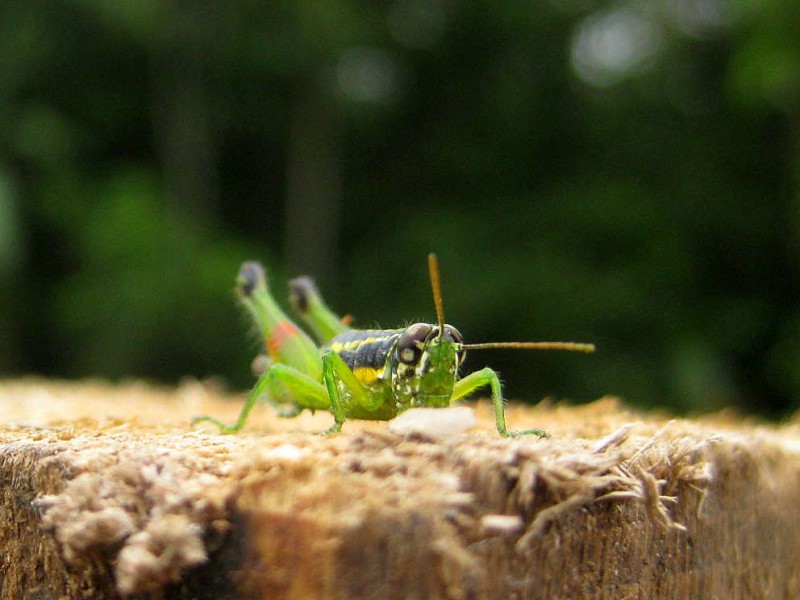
(181, 114)
(313, 187)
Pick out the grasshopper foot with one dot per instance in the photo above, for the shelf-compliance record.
(335, 428)
(223, 428)
(290, 412)
(537, 432)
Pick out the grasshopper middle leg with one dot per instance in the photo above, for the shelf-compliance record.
(279, 384)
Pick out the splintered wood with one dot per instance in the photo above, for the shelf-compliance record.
(108, 493)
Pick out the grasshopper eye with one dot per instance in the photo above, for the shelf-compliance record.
(458, 339)
(411, 342)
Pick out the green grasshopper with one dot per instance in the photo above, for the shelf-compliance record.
(371, 374)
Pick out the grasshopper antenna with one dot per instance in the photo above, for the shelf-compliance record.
(574, 346)
(436, 285)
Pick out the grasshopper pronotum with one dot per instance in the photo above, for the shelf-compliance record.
(372, 374)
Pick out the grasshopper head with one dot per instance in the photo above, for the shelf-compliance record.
(426, 359)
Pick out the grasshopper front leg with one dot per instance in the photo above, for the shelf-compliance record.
(487, 376)
(356, 398)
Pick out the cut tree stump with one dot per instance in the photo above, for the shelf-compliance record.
(108, 493)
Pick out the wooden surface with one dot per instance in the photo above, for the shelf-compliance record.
(108, 493)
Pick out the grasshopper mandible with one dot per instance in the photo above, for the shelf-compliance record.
(371, 374)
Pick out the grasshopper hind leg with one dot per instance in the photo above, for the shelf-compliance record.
(308, 304)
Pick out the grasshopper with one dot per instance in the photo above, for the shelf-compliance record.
(371, 374)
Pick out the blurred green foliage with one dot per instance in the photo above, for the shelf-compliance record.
(624, 173)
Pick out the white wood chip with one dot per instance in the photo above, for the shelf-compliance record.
(433, 423)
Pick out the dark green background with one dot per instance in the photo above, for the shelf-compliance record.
(624, 173)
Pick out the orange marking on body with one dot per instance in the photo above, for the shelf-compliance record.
(278, 336)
